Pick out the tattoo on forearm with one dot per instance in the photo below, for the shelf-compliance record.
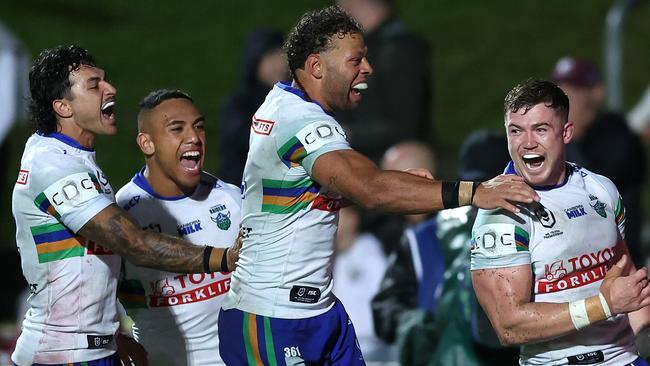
(120, 233)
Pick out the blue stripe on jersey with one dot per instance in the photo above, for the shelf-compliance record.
(53, 236)
(289, 192)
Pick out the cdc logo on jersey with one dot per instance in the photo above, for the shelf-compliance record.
(67, 193)
(494, 240)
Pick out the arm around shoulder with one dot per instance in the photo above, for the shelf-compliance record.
(116, 230)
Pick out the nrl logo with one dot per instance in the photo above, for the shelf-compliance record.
(598, 206)
(220, 215)
(545, 216)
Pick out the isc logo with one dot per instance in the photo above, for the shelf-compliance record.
(261, 126)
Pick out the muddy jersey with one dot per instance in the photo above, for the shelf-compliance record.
(285, 265)
(72, 281)
(176, 314)
(569, 240)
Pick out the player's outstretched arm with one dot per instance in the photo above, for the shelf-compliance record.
(357, 178)
(114, 229)
(504, 294)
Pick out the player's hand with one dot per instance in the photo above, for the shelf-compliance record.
(131, 352)
(419, 172)
(233, 251)
(625, 294)
(502, 192)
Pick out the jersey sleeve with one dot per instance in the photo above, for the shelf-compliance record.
(301, 143)
(499, 240)
(67, 189)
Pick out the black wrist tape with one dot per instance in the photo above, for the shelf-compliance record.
(450, 194)
(224, 261)
(206, 259)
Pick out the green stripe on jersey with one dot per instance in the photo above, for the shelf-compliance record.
(278, 209)
(76, 251)
(522, 232)
(47, 228)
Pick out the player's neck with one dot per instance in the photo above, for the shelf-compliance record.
(85, 138)
(312, 92)
(163, 185)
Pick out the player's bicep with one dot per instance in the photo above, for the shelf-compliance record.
(343, 172)
(500, 291)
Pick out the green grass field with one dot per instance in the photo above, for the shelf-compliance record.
(481, 49)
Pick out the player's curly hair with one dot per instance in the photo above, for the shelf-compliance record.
(49, 79)
(534, 91)
(313, 34)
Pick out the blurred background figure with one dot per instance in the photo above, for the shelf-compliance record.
(639, 117)
(426, 303)
(361, 260)
(603, 143)
(358, 268)
(14, 89)
(263, 64)
(401, 156)
(397, 104)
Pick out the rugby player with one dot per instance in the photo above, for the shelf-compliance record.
(280, 308)
(556, 277)
(69, 230)
(176, 314)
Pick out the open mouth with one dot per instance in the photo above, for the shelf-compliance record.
(356, 89)
(190, 160)
(533, 161)
(108, 109)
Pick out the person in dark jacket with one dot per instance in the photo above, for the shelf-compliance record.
(263, 64)
(603, 142)
(399, 92)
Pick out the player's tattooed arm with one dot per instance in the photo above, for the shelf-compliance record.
(116, 230)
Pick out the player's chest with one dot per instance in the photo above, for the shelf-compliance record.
(212, 221)
(573, 240)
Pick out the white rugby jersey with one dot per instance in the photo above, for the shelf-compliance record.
(285, 265)
(176, 314)
(72, 281)
(569, 240)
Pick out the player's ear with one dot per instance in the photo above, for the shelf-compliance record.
(314, 65)
(567, 133)
(145, 143)
(62, 108)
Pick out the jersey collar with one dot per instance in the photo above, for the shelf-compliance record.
(140, 181)
(286, 86)
(66, 140)
(510, 169)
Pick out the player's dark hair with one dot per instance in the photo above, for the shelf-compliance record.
(153, 99)
(532, 92)
(49, 79)
(158, 96)
(314, 33)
